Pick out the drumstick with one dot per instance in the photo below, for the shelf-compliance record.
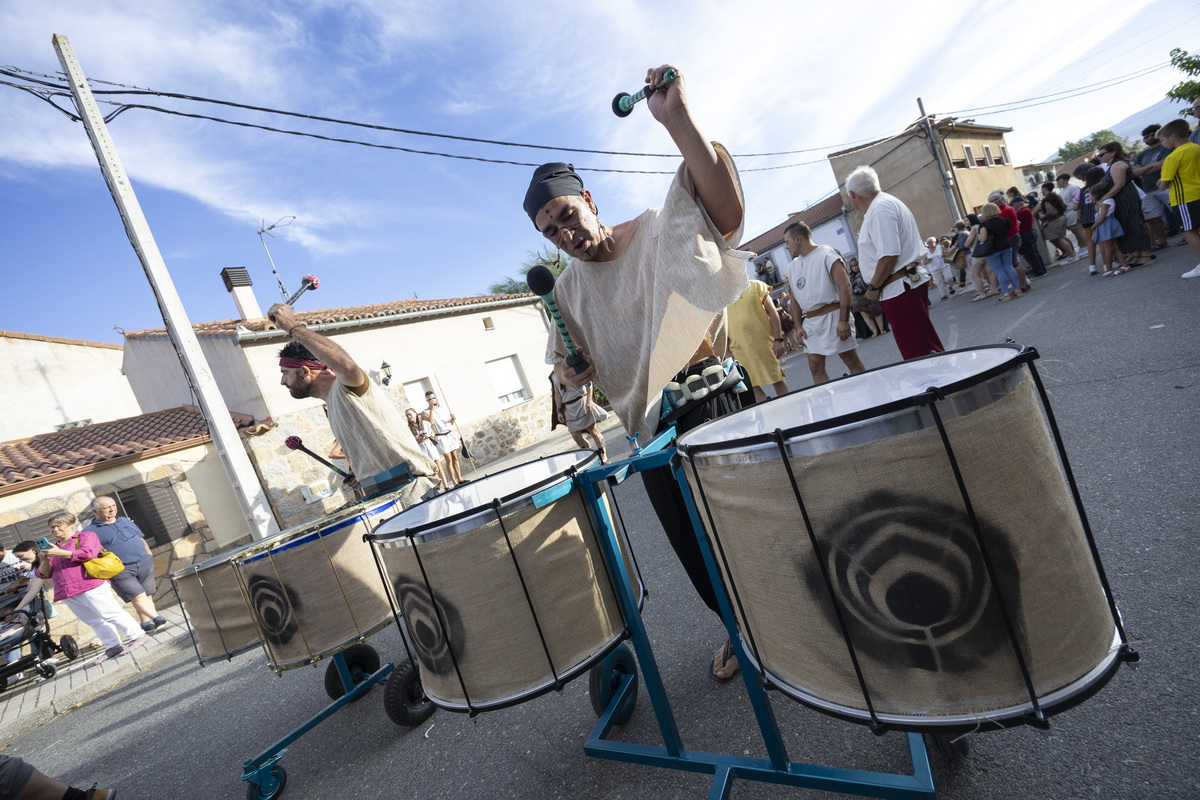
(541, 283)
(294, 443)
(309, 282)
(623, 103)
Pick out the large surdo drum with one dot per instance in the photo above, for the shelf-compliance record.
(869, 583)
(302, 594)
(502, 586)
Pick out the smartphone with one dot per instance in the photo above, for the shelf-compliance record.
(44, 543)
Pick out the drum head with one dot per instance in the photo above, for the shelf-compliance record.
(466, 504)
(868, 392)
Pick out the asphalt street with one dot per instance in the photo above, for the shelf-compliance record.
(1120, 359)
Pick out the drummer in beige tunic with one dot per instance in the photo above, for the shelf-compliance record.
(643, 300)
(370, 429)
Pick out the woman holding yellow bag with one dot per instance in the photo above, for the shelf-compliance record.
(90, 599)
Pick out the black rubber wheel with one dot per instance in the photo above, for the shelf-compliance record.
(70, 649)
(604, 679)
(46, 669)
(950, 746)
(361, 660)
(256, 792)
(403, 698)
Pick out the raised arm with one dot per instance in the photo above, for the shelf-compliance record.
(325, 349)
(714, 180)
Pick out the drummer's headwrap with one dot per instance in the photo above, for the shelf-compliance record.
(294, 355)
(550, 181)
(296, 363)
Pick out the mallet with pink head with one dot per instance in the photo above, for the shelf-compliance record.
(294, 443)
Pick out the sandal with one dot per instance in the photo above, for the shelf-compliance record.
(727, 654)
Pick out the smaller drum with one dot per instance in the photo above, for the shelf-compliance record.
(302, 594)
(502, 585)
(868, 584)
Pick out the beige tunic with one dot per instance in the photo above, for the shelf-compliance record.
(375, 435)
(642, 316)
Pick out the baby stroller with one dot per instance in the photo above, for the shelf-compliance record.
(30, 625)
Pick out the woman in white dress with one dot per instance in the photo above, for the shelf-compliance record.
(420, 431)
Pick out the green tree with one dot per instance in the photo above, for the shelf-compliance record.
(1089, 143)
(547, 257)
(1187, 91)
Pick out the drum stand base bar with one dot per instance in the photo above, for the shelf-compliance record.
(725, 768)
(261, 770)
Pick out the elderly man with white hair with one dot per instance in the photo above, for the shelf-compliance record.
(890, 251)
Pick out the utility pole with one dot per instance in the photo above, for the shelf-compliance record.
(943, 171)
(253, 501)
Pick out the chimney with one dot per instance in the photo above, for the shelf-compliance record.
(237, 283)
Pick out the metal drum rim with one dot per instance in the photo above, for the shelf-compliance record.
(537, 691)
(243, 551)
(1052, 702)
(295, 537)
(1021, 355)
(453, 524)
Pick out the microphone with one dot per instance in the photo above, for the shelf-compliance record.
(541, 283)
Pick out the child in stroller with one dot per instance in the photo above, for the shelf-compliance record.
(28, 624)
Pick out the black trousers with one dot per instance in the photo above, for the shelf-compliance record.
(667, 499)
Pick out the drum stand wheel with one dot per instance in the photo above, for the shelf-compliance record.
(403, 698)
(272, 789)
(361, 661)
(605, 679)
(69, 647)
(952, 747)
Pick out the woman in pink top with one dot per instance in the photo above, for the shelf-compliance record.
(89, 599)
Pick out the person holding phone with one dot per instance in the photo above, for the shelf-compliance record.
(89, 598)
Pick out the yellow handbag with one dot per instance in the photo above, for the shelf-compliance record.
(103, 566)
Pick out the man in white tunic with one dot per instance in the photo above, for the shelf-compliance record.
(643, 300)
(368, 426)
(821, 287)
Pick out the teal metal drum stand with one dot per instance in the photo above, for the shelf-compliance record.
(617, 680)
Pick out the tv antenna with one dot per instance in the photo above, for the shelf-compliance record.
(263, 227)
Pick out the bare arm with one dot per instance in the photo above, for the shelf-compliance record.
(842, 279)
(885, 267)
(776, 324)
(715, 182)
(325, 349)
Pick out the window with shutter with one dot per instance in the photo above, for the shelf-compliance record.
(156, 511)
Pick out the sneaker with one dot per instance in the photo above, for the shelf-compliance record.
(1008, 296)
(159, 622)
(147, 626)
(1194, 272)
(100, 794)
(1023, 291)
(135, 644)
(111, 652)
(1072, 259)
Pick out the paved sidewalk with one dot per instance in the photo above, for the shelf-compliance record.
(32, 700)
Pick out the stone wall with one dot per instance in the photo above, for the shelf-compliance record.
(510, 430)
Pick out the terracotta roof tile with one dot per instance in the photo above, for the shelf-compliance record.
(66, 451)
(34, 337)
(366, 313)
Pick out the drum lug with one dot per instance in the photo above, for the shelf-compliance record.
(1130, 656)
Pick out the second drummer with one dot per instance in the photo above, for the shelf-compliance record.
(644, 300)
(367, 426)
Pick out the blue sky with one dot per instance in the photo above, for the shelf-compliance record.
(378, 225)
